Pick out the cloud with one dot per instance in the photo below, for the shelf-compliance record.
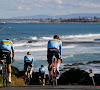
(90, 5)
(58, 1)
(20, 7)
(50, 6)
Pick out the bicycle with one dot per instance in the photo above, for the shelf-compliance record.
(5, 71)
(53, 71)
(28, 77)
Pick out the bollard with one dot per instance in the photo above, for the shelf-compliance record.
(91, 74)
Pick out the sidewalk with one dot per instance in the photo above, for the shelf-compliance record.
(49, 87)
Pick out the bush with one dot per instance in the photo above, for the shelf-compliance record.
(74, 76)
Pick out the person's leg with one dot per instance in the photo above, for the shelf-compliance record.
(43, 81)
(8, 61)
(1, 59)
(25, 69)
(1, 62)
(50, 66)
(39, 78)
(49, 60)
(58, 64)
(9, 71)
(25, 76)
(31, 71)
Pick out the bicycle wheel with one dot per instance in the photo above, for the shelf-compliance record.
(26, 79)
(54, 80)
(6, 76)
(4, 72)
(29, 77)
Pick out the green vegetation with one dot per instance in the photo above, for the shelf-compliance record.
(73, 76)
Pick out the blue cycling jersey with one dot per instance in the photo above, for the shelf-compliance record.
(29, 57)
(7, 45)
(41, 69)
(55, 43)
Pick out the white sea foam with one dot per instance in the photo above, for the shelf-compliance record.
(67, 56)
(43, 40)
(19, 44)
(30, 49)
(33, 38)
(81, 36)
(69, 46)
(29, 44)
(37, 48)
(46, 38)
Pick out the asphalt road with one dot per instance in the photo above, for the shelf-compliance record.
(49, 87)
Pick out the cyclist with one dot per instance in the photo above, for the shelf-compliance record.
(28, 60)
(6, 47)
(42, 74)
(54, 46)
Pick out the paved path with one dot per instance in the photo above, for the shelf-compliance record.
(49, 87)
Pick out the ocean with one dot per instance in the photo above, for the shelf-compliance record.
(81, 42)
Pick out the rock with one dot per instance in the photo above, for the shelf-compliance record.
(95, 62)
(31, 41)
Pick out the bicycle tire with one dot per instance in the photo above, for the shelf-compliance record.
(3, 73)
(6, 75)
(54, 79)
(29, 78)
(5, 81)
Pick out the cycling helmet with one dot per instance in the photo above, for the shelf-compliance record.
(56, 37)
(28, 53)
(42, 66)
(8, 39)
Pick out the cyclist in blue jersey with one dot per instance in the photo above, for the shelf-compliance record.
(6, 47)
(54, 46)
(28, 60)
(42, 74)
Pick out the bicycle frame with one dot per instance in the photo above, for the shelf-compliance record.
(28, 75)
(53, 71)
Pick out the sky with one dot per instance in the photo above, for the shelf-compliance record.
(14, 8)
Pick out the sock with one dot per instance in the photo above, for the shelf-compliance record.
(43, 84)
(58, 65)
(30, 72)
(0, 66)
(9, 77)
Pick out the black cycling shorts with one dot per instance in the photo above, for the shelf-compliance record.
(42, 75)
(26, 64)
(50, 52)
(8, 57)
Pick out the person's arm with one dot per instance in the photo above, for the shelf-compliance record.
(32, 61)
(24, 58)
(44, 71)
(60, 47)
(13, 54)
(47, 50)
